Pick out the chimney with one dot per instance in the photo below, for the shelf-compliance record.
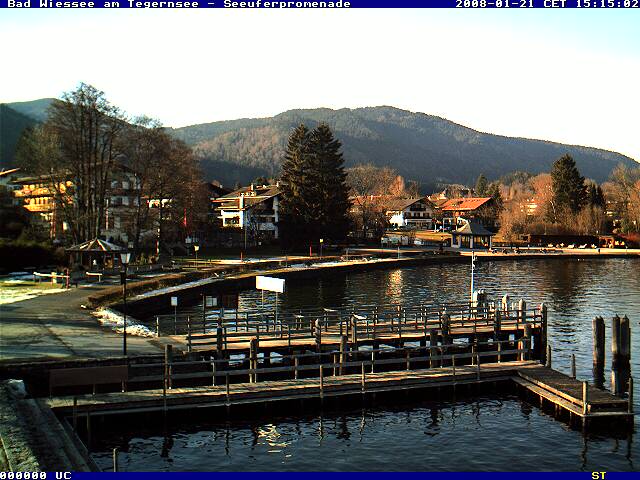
(253, 187)
(241, 201)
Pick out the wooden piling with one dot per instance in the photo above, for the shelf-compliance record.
(573, 365)
(343, 354)
(115, 459)
(585, 398)
(598, 342)
(548, 357)
(625, 340)
(189, 333)
(543, 334)
(168, 360)
(318, 335)
(253, 359)
(219, 339)
(598, 334)
(615, 341)
(630, 398)
(433, 342)
(296, 363)
(526, 342)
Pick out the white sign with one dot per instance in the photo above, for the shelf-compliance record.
(270, 283)
(174, 301)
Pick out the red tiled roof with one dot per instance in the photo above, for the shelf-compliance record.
(465, 204)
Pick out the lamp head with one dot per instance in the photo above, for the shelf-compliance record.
(125, 257)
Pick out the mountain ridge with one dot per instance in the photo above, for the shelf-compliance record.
(427, 148)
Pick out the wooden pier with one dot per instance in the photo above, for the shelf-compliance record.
(362, 375)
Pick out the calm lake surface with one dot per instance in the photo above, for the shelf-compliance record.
(492, 432)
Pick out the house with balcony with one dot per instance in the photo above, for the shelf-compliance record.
(417, 213)
(254, 210)
(457, 211)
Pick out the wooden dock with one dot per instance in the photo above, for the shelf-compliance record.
(564, 392)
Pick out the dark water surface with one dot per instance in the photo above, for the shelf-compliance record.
(493, 432)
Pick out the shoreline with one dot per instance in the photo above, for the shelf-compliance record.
(156, 301)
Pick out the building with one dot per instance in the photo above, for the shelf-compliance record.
(123, 197)
(471, 235)
(415, 213)
(457, 210)
(38, 195)
(253, 210)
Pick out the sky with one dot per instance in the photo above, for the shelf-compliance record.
(566, 75)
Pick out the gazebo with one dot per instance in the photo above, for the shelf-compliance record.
(101, 252)
(471, 235)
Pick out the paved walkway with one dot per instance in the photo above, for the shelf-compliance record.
(56, 326)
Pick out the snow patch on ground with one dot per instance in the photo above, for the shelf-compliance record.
(19, 286)
(115, 320)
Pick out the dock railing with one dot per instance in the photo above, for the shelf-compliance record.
(201, 330)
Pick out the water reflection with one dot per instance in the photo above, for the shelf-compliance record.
(479, 434)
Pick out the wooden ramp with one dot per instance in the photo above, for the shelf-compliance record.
(576, 397)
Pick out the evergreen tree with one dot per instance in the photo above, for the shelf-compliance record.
(568, 187)
(595, 196)
(331, 187)
(481, 186)
(295, 187)
(314, 202)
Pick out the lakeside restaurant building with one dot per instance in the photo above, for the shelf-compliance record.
(472, 235)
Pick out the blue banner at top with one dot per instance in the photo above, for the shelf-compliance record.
(320, 4)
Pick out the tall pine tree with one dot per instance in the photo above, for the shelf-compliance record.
(314, 202)
(295, 186)
(482, 185)
(569, 192)
(332, 191)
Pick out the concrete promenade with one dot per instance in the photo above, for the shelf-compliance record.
(56, 326)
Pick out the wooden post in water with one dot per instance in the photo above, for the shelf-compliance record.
(548, 356)
(573, 365)
(497, 323)
(625, 341)
(433, 342)
(630, 399)
(168, 360)
(189, 333)
(585, 398)
(621, 353)
(343, 354)
(318, 332)
(446, 339)
(598, 334)
(219, 339)
(522, 311)
(543, 334)
(526, 344)
(115, 459)
(354, 331)
(253, 359)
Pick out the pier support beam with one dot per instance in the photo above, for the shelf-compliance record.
(598, 351)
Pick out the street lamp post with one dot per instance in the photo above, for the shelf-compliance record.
(321, 242)
(124, 258)
(196, 248)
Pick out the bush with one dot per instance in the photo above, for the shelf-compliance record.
(18, 254)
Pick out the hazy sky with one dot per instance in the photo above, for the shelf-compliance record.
(564, 75)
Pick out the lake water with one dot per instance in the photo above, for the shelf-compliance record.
(494, 432)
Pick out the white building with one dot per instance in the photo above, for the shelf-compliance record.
(411, 212)
(253, 209)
